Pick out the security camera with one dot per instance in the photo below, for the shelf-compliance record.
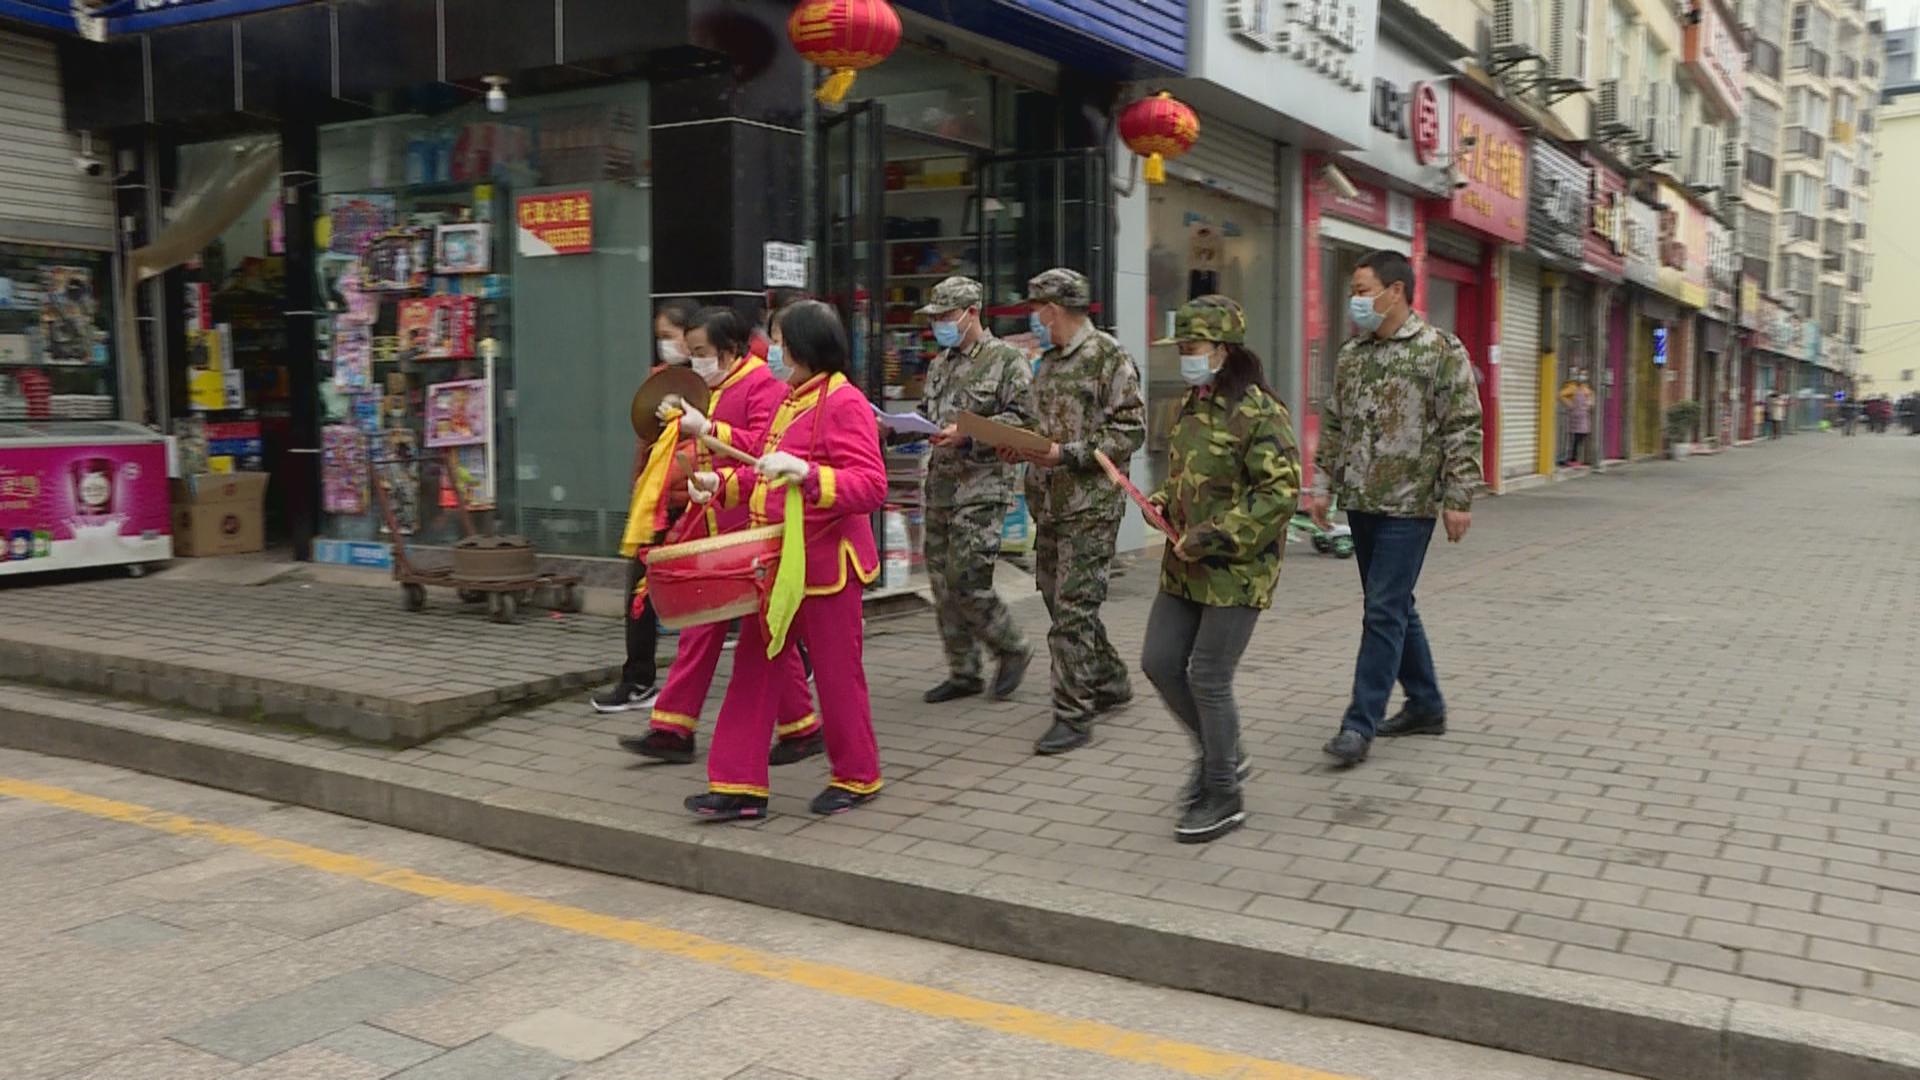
(1460, 183)
(1337, 180)
(89, 163)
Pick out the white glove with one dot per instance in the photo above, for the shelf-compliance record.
(702, 485)
(692, 424)
(781, 465)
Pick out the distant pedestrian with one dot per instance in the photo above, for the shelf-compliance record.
(1400, 446)
(1776, 414)
(1233, 480)
(1086, 393)
(968, 491)
(1577, 398)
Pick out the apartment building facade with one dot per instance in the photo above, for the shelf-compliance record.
(1890, 341)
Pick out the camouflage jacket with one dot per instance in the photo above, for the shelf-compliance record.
(1087, 394)
(1233, 479)
(1400, 434)
(993, 380)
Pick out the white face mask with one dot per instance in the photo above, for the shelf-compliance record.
(708, 368)
(672, 352)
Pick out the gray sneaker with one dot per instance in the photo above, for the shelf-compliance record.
(1350, 747)
(1196, 784)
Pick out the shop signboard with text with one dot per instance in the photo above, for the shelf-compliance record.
(1312, 65)
(1409, 113)
(555, 223)
(1372, 205)
(70, 505)
(1681, 247)
(1715, 56)
(1643, 243)
(1605, 253)
(1723, 269)
(1491, 157)
(1557, 206)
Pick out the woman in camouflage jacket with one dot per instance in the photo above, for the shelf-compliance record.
(1233, 478)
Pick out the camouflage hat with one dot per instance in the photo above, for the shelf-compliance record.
(954, 294)
(1062, 286)
(1208, 318)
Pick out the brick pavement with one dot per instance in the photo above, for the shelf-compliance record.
(1681, 753)
(330, 657)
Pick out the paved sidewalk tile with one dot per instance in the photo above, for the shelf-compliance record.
(1680, 751)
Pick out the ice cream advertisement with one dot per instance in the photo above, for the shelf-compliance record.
(63, 507)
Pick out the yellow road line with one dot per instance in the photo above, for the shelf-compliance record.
(1089, 1036)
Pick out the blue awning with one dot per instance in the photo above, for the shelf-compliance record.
(135, 16)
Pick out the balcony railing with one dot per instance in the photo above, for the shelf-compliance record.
(1766, 59)
(1758, 269)
(1837, 198)
(1854, 284)
(1802, 226)
(1859, 230)
(1847, 68)
(1760, 168)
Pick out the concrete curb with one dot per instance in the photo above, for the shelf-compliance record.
(1605, 1023)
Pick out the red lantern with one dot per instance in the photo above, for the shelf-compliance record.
(844, 36)
(1159, 127)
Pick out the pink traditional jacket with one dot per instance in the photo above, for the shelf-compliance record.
(829, 424)
(741, 408)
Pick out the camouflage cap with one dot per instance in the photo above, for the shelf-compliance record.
(1062, 286)
(954, 294)
(1208, 318)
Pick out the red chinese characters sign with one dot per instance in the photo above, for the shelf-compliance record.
(1491, 154)
(556, 223)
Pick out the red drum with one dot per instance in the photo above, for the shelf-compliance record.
(713, 579)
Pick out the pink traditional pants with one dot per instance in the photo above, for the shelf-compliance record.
(830, 628)
(678, 709)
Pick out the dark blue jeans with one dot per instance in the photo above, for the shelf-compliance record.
(1393, 644)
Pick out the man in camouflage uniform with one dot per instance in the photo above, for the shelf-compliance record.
(1087, 395)
(1399, 446)
(969, 490)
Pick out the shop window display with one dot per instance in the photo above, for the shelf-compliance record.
(56, 349)
(1203, 242)
(483, 287)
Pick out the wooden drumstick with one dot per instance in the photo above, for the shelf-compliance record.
(733, 452)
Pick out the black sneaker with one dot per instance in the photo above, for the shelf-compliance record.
(1408, 722)
(793, 751)
(1196, 785)
(1013, 669)
(1108, 702)
(714, 806)
(667, 746)
(1063, 736)
(1350, 747)
(624, 697)
(838, 800)
(952, 690)
(1216, 814)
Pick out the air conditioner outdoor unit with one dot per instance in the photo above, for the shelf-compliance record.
(1653, 117)
(1516, 29)
(1561, 63)
(1608, 117)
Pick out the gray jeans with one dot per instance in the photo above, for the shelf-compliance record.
(1191, 653)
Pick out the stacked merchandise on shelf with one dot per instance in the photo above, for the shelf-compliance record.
(55, 348)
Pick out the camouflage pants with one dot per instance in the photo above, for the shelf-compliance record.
(962, 546)
(1072, 557)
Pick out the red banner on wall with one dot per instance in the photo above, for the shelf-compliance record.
(556, 223)
(1491, 153)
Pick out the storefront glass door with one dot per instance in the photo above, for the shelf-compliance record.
(852, 244)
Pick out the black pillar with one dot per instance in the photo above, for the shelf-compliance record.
(728, 144)
(299, 194)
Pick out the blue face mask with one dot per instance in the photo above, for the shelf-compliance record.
(1040, 332)
(947, 334)
(1197, 368)
(1361, 310)
(777, 362)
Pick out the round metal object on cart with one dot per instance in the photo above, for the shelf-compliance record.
(666, 382)
(494, 558)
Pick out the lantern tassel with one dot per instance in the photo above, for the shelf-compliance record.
(1156, 170)
(834, 90)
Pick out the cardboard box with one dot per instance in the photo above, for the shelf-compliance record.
(219, 515)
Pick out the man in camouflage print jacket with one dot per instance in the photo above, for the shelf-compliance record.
(1399, 445)
(1087, 395)
(969, 489)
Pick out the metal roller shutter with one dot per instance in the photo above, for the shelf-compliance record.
(1233, 160)
(43, 196)
(1520, 367)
